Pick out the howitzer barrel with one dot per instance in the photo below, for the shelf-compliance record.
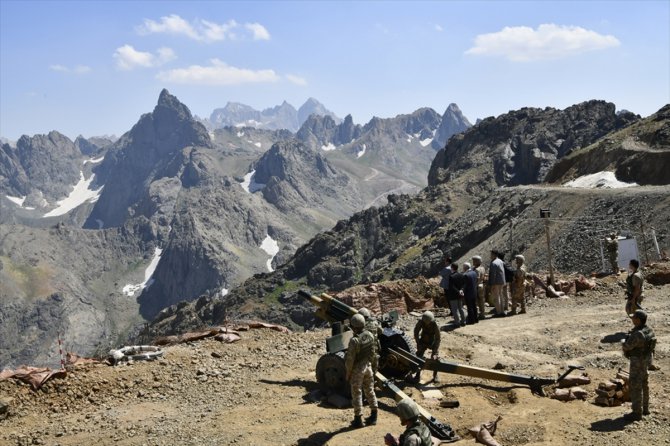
(440, 365)
(330, 309)
(437, 429)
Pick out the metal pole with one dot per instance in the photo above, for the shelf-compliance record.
(551, 263)
(644, 244)
(653, 237)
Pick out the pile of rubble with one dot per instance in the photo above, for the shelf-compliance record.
(614, 392)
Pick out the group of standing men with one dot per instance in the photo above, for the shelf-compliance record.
(468, 287)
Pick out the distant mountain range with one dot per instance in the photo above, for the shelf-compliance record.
(283, 116)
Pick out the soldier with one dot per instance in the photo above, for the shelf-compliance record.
(519, 285)
(613, 252)
(634, 285)
(638, 347)
(375, 330)
(359, 371)
(481, 294)
(427, 336)
(416, 432)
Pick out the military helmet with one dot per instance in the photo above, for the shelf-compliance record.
(407, 409)
(641, 315)
(427, 316)
(520, 257)
(364, 312)
(357, 321)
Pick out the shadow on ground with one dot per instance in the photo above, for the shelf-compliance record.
(610, 425)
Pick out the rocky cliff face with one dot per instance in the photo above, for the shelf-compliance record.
(44, 166)
(638, 154)
(521, 146)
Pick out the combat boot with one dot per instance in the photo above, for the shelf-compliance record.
(372, 419)
(358, 422)
(633, 416)
(436, 379)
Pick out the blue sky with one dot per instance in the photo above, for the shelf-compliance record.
(93, 68)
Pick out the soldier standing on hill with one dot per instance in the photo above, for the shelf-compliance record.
(359, 371)
(427, 336)
(638, 347)
(519, 285)
(481, 294)
(613, 252)
(375, 330)
(634, 285)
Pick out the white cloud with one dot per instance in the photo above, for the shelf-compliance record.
(202, 30)
(548, 41)
(128, 58)
(296, 80)
(259, 32)
(218, 73)
(78, 69)
(439, 28)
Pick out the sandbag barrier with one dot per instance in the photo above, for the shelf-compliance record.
(134, 353)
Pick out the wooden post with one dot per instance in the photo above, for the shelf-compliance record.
(653, 238)
(551, 263)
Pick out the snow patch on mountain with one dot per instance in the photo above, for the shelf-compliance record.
(271, 247)
(329, 147)
(130, 290)
(599, 180)
(79, 195)
(361, 152)
(94, 160)
(425, 142)
(249, 185)
(17, 200)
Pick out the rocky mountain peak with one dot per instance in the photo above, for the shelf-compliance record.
(453, 122)
(521, 146)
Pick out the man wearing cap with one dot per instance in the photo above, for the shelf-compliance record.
(519, 285)
(481, 293)
(416, 432)
(638, 347)
(376, 331)
(427, 336)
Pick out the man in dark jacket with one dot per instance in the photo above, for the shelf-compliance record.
(470, 276)
(455, 293)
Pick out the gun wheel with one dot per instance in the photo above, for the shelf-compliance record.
(331, 373)
(389, 365)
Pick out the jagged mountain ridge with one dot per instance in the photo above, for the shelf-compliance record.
(462, 214)
(283, 116)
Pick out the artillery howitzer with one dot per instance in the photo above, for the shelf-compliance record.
(397, 357)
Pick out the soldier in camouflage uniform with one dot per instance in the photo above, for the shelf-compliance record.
(357, 362)
(638, 347)
(634, 286)
(427, 336)
(519, 285)
(481, 292)
(613, 252)
(416, 432)
(375, 330)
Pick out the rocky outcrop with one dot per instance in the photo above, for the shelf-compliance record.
(44, 165)
(520, 147)
(638, 154)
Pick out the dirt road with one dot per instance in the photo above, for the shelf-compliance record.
(256, 390)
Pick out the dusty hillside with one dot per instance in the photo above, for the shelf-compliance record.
(256, 391)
